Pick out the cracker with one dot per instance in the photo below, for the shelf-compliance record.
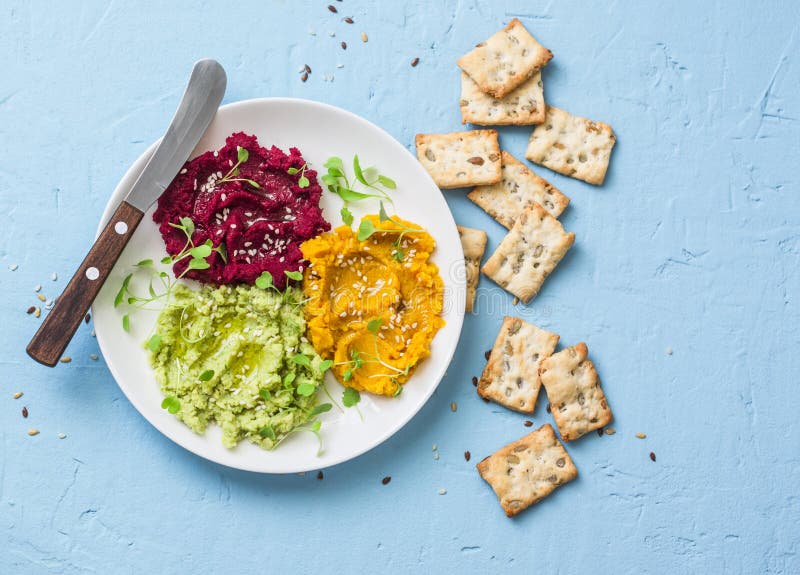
(572, 146)
(576, 399)
(505, 60)
(528, 253)
(511, 376)
(474, 243)
(519, 188)
(526, 471)
(460, 159)
(521, 107)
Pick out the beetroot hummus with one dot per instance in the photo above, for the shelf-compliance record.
(261, 227)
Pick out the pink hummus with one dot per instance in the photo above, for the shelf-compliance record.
(262, 228)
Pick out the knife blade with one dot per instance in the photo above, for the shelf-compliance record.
(197, 108)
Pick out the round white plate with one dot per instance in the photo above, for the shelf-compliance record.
(319, 131)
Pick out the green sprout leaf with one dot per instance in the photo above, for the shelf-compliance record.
(267, 431)
(154, 343)
(358, 172)
(198, 264)
(126, 322)
(265, 394)
(293, 171)
(296, 276)
(399, 255)
(306, 389)
(325, 365)
(350, 397)
(371, 175)
(321, 408)
(365, 229)
(398, 391)
(144, 263)
(387, 182)
(166, 260)
(201, 251)
(303, 182)
(252, 183)
(316, 426)
(348, 375)
(264, 281)
(171, 404)
(301, 359)
(121, 293)
(349, 195)
(374, 325)
(382, 214)
(334, 163)
(206, 375)
(188, 226)
(347, 216)
(288, 379)
(242, 155)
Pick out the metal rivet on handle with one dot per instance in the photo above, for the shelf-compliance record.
(121, 228)
(92, 273)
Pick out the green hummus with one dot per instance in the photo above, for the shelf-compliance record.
(237, 357)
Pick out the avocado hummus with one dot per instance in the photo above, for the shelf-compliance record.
(236, 356)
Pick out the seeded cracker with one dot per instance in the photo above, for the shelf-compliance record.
(523, 106)
(511, 376)
(573, 388)
(528, 253)
(528, 470)
(474, 243)
(460, 159)
(519, 188)
(572, 146)
(505, 60)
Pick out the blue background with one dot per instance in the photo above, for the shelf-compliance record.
(692, 244)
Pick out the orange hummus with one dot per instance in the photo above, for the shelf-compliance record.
(374, 305)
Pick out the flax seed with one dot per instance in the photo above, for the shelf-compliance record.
(652, 456)
(386, 480)
(364, 37)
(414, 62)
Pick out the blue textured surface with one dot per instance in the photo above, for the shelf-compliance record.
(693, 244)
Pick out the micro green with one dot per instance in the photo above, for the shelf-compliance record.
(302, 181)
(154, 343)
(171, 404)
(366, 229)
(372, 184)
(242, 155)
(350, 397)
(206, 375)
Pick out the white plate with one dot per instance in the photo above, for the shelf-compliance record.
(319, 131)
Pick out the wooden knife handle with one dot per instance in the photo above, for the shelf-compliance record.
(59, 326)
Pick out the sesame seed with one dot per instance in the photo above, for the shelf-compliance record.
(33, 432)
(38, 288)
(364, 37)
(13, 267)
(62, 435)
(443, 492)
(17, 395)
(93, 356)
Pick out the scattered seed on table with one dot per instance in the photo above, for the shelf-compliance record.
(414, 62)
(515, 301)
(62, 435)
(312, 33)
(549, 409)
(31, 310)
(307, 68)
(54, 276)
(94, 334)
(434, 447)
(344, 45)
(669, 351)
(93, 356)
(652, 456)
(386, 480)
(474, 381)
(320, 476)
(485, 399)
(348, 20)
(610, 431)
(364, 37)
(436, 456)
(487, 353)
(443, 492)
(48, 304)
(331, 33)
(37, 313)
(467, 455)
(86, 318)
(33, 432)
(641, 435)
(304, 77)
(332, 8)
(41, 297)
(340, 65)
(600, 432)
(38, 287)
(24, 412)
(17, 395)
(528, 423)
(66, 359)
(453, 407)
(13, 267)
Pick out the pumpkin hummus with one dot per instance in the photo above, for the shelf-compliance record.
(374, 305)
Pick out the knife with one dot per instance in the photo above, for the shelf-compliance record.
(197, 108)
